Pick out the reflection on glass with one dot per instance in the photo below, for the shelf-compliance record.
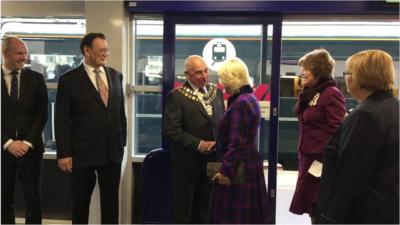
(148, 52)
(148, 63)
(216, 43)
(147, 122)
(341, 39)
(48, 132)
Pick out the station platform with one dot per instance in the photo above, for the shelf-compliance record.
(286, 182)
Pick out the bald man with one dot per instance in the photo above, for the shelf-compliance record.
(23, 117)
(190, 124)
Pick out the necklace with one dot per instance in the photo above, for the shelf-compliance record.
(204, 99)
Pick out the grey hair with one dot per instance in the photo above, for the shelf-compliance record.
(188, 61)
(6, 42)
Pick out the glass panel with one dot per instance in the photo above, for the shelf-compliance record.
(341, 39)
(48, 132)
(53, 48)
(148, 51)
(217, 43)
(265, 91)
(148, 64)
(148, 122)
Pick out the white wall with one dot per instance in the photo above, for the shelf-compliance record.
(42, 8)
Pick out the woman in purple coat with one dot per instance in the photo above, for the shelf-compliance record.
(239, 203)
(320, 108)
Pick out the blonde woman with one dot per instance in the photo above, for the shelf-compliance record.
(236, 143)
(360, 178)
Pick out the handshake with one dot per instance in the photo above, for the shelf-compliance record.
(206, 147)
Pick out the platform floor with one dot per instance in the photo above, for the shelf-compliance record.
(286, 184)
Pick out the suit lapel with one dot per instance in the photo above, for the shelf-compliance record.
(202, 109)
(23, 86)
(4, 91)
(88, 84)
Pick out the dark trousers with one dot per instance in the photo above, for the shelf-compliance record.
(27, 169)
(192, 198)
(83, 182)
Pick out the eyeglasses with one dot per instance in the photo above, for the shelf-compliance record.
(347, 74)
(102, 50)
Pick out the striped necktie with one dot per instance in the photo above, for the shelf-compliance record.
(102, 88)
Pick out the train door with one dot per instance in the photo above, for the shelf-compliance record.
(254, 39)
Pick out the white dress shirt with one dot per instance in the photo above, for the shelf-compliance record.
(7, 78)
(196, 89)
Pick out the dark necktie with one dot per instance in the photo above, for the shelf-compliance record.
(102, 88)
(201, 90)
(14, 89)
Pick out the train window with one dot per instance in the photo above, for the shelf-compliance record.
(148, 67)
(53, 45)
(217, 43)
(341, 39)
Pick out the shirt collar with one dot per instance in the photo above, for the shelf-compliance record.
(8, 71)
(196, 89)
(193, 87)
(91, 68)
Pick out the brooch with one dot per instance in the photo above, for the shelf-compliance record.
(314, 100)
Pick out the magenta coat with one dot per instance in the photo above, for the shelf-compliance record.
(317, 124)
(246, 203)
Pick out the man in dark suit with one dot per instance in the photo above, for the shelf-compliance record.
(23, 116)
(192, 114)
(91, 129)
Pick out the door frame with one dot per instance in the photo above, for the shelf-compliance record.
(170, 21)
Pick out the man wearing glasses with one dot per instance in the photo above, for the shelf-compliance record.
(91, 130)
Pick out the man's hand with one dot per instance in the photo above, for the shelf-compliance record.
(65, 164)
(206, 147)
(18, 148)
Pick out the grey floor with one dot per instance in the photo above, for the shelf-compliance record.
(286, 183)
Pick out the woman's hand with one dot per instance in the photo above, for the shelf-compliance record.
(221, 179)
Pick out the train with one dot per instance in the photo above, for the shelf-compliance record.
(53, 54)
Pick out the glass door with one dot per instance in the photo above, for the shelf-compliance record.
(255, 40)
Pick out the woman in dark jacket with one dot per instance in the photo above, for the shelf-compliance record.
(239, 203)
(360, 177)
(320, 109)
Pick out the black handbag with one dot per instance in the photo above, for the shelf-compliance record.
(214, 168)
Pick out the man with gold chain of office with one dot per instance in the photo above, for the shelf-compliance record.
(193, 111)
(200, 95)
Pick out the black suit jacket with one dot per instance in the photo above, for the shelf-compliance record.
(186, 123)
(31, 114)
(86, 130)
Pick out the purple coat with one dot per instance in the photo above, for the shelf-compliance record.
(246, 203)
(317, 124)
